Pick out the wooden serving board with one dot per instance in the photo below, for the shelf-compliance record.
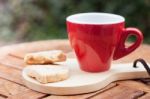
(83, 82)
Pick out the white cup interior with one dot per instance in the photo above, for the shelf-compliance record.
(95, 18)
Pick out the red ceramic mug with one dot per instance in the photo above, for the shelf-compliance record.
(99, 38)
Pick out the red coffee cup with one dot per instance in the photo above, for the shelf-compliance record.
(99, 38)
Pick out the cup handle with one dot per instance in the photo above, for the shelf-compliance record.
(121, 49)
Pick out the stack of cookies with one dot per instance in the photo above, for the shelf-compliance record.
(42, 66)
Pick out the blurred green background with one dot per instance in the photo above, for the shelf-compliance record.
(28, 20)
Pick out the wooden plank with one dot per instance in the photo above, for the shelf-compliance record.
(146, 96)
(17, 91)
(3, 92)
(10, 78)
(1, 97)
(29, 94)
(82, 96)
(145, 80)
(12, 88)
(120, 92)
(134, 84)
(9, 88)
(11, 74)
(11, 71)
(15, 55)
(12, 62)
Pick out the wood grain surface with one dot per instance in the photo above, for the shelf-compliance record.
(12, 87)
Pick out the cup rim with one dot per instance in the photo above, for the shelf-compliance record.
(104, 18)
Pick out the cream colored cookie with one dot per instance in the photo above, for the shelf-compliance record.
(48, 74)
(45, 57)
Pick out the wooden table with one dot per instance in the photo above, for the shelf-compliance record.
(11, 64)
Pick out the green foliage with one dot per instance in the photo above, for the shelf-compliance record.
(46, 18)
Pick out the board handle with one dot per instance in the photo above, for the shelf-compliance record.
(143, 63)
